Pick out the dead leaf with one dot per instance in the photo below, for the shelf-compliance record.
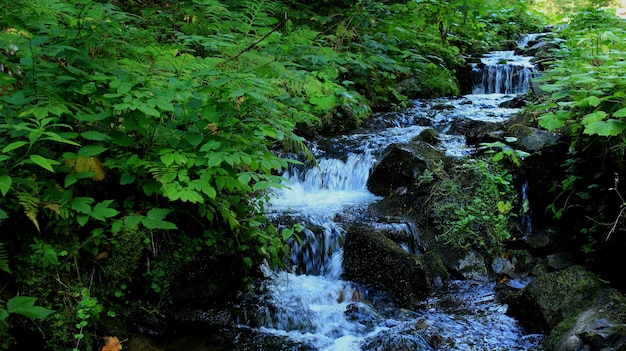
(112, 344)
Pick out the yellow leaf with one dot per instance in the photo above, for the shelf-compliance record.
(88, 164)
(112, 343)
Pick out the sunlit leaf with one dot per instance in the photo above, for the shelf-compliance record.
(611, 127)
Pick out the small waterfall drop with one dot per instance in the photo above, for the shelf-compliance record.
(503, 72)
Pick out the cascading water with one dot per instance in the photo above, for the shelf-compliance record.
(310, 307)
(503, 72)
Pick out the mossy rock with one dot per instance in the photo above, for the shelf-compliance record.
(601, 327)
(372, 259)
(556, 296)
(429, 136)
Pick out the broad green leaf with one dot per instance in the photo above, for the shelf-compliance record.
(25, 306)
(324, 102)
(208, 190)
(91, 150)
(127, 178)
(5, 184)
(116, 226)
(154, 219)
(148, 110)
(87, 89)
(132, 221)
(210, 145)
(550, 88)
(611, 127)
(593, 101)
(620, 113)
(102, 211)
(82, 219)
(92, 118)
(194, 138)
(4, 314)
(82, 204)
(13, 146)
(93, 135)
(262, 185)
(122, 139)
(168, 159)
(550, 122)
(593, 117)
(244, 178)
(43, 162)
(70, 179)
(158, 213)
(123, 87)
(215, 159)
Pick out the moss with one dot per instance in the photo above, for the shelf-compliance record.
(559, 330)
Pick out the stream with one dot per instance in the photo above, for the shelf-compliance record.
(308, 306)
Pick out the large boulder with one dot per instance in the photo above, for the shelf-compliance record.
(556, 296)
(601, 327)
(400, 166)
(372, 259)
(532, 139)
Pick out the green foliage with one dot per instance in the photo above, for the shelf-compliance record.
(134, 138)
(586, 96)
(480, 218)
(586, 100)
(4, 260)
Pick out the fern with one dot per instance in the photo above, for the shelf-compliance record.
(30, 204)
(4, 259)
(257, 13)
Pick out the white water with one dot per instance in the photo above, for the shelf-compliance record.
(311, 305)
(503, 72)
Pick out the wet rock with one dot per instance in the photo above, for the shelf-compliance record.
(473, 267)
(372, 259)
(400, 166)
(532, 139)
(501, 265)
(601, 327)
(407, 336)
(560, 260)
(363, 314)
(555, 296)
(475, 131)
(429, 135)
(517, 102)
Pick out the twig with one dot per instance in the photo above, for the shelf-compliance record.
(251, 46)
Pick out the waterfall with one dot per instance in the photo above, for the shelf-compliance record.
(503, 72)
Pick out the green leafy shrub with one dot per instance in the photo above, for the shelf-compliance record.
(586, 100)
(479, 218)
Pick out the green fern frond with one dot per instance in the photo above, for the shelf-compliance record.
(30, 204)
(4, 259)
(298, 146)
(258, 13)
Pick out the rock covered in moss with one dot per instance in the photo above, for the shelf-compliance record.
(372, 259)
(601, 327)
(556, 296)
